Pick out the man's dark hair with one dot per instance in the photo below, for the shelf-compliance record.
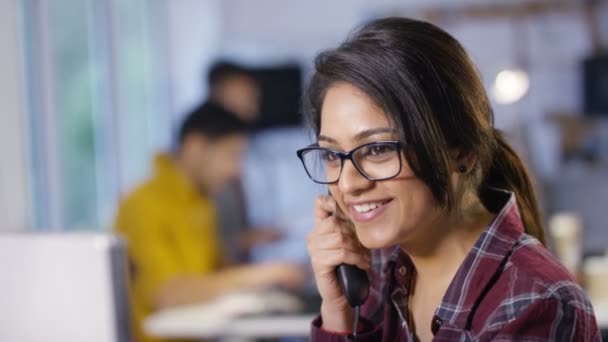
(221, 70)
(212, 121)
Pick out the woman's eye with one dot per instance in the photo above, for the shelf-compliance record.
(378, 150)
(330, 156)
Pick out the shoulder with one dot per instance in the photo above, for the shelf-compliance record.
(145, 201)
(142, 195)
(535, 295)
(533, 269)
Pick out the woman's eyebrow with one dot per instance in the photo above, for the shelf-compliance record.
(368, 133)
(361, 135)
(326, 138)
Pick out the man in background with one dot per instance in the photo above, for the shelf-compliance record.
(170, 221)
(236, 89)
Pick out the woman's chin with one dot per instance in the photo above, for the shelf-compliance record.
(374, 241)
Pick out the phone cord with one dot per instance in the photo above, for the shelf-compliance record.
(355, 324)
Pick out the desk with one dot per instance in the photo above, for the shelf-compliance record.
(246, 328)
(224, 318)
(239, 315)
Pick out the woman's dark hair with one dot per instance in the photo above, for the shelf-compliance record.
(433, 95)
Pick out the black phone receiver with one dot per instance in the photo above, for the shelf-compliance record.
(353, 281)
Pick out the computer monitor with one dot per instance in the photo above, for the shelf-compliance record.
(595, 76)
(280, 99)
(63, 287)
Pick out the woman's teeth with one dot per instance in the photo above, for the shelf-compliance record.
(363, 208)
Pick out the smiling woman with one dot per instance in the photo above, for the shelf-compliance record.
(444, 206)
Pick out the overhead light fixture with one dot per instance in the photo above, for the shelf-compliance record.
(510, 86)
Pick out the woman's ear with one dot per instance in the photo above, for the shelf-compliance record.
(462, 162)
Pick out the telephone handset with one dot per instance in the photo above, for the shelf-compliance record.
(354, 283)
(353, 280)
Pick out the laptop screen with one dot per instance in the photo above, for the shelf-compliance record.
(63, 287)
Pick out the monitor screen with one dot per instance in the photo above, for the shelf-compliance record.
(281, 91)
(595, 74)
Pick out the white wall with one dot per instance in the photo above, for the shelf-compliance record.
(300, 28)
(13, 169)
(193, 37)
(288, 29)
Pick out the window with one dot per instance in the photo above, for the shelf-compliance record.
(98, 104)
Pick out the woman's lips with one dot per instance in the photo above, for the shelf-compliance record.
(369, 215)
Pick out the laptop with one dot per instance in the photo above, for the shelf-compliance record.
(68, 287)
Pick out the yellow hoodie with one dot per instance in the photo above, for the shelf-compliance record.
(171, 230)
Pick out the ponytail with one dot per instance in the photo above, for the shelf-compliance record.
(508, 172)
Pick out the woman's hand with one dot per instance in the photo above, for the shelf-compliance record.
(332, 242)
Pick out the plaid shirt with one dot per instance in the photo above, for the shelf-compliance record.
(508, 288)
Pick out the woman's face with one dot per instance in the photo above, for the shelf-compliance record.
(386, 212)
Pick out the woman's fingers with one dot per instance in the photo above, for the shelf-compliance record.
(337, 245)
(325, 206)
(332, 242)
(339, 240)
(328, 260)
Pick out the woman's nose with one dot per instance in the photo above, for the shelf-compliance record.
(351, 180)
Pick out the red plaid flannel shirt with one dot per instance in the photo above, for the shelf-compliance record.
(509, 288)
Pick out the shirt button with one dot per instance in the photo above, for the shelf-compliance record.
(436, 324)
(402, 270)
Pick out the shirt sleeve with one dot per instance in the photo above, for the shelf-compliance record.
(369, 333)
(548, 320)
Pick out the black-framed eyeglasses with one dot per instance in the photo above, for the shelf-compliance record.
(376, 161)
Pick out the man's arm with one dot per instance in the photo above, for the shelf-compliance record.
(181, 290)
(159, 276)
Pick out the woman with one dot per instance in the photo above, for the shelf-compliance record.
(445, 218)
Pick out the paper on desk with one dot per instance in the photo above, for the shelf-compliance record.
(212, 317)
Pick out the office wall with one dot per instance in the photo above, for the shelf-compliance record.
(193, 37)
(298, 30)
(13, 168)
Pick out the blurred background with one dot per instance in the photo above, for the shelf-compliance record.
(90, 90)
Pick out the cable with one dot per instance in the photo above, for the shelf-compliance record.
(356, 324)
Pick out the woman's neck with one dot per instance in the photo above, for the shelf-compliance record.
(442, 246)
(437, 253)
